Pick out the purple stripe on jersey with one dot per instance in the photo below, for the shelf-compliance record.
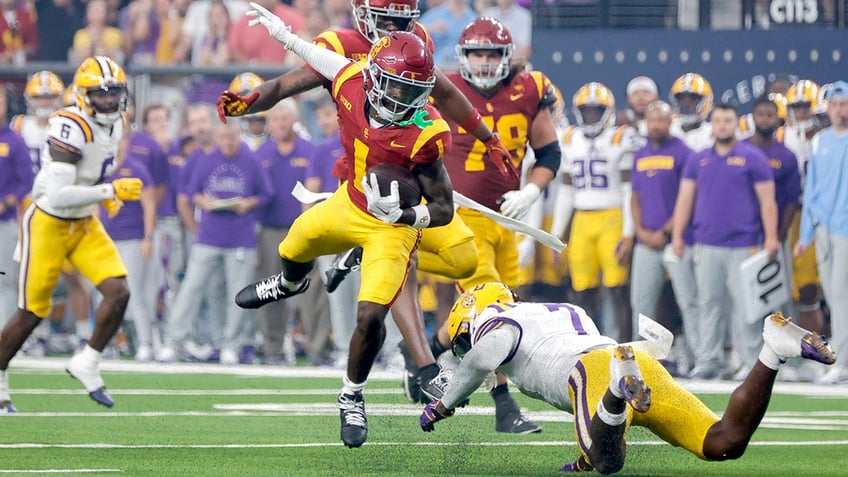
(581, 406)
(575, 321)
(495, 323)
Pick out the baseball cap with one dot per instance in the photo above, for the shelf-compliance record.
(839, 89)
(642, 83)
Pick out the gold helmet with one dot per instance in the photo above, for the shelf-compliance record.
(802, 99)
(468, 306)
(594, 95)
(692, 84)
(780, 101)
(69, 97)
(42, 93)
(245, 82)
(100, 74)
(821, 102)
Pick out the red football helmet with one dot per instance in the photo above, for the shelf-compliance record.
(400, 76)
(485, 33)
(374, 18)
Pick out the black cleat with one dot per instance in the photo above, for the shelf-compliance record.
(343, 264)
(267, 290)
(515, 423)
(410, 375)
(354, 421)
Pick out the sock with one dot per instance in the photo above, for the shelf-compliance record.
(4, 385)
(349, 387)
(83, 329)
(289, 285)
(90, 354)
(426, 373)
(435, 346)
(504, 403)
(769, 358)
(614, 389)
(609, 418)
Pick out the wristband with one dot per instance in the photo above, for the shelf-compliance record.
(470, 124)
(422, 216)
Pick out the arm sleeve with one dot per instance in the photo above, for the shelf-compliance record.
(324, 61)
(486, 355)
(61, 191)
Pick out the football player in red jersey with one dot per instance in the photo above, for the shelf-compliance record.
(515, 104)
(384, 118)
(454, 258)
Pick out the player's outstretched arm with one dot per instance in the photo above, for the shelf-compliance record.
(62, 192)
(437, 189)
(268, 94)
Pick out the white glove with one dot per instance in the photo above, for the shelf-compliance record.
(276, 27)
(516, 203)
(385, 208)
(526, 251)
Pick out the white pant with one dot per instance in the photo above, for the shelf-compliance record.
(8, 289)
(141, 308)
(832, 258)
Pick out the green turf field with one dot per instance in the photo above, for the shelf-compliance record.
(204, 420)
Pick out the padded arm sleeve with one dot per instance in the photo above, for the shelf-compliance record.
(62, 193)
(324, 61)
(486, 355)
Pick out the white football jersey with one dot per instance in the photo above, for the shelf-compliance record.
(746, 128)
(697, 139)
(552, 338)
(595, 165)
(795, 139)
(71, 129)
(35, 136)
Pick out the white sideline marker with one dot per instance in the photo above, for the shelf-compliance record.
(57, 471)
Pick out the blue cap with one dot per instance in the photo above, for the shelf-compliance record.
(839, 89)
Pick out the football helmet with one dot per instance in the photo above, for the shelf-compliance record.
(594, 108)
(99, 79)
(69, 97)
(42, 93)
(780, 101)
(372, 16)
(802, 99)
(468, 306)
(245, 82)
(485, 33)
(691, 84)
(400, 76)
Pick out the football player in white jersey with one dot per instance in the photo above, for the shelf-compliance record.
(44, 95)
(803, 100)
(553, 352)
(61, 223)
(597, 159)
(691, 99)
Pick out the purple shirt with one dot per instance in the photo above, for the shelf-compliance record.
(787, 178)
(324, 157)
(284, 171)
(727, 210)
(224, 178)
(129, 223)
(16, 173)
(176, 163)
(146, 46)
(656, 178)
(144, 148)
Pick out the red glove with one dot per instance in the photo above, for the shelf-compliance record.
(232, 104)
(500, 157)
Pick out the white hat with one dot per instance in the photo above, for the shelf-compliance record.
(642, 83)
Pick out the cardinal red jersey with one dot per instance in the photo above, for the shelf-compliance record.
(366, 146)
(510, 113)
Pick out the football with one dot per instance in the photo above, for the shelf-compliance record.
(409, 189)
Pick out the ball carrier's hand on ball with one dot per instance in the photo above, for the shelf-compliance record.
(386, 208)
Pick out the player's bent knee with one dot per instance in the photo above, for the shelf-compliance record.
(115, 290)
(464, 258)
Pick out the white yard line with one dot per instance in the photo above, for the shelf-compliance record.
(57, 471)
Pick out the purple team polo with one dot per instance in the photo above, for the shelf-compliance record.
(144, 148)
(727, 210)
(17, 175)
(129, 223)
(787, 177)
(284, 171)
(326, 153)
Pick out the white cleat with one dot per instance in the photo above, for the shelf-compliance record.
(144, 353)
(789, 340)
(627, 377)
(86, 372)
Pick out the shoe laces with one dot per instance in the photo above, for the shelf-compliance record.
(353, 411)
(437, 385)
(269, 288)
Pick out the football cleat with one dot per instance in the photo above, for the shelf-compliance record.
(789, 340)
(626, 376)
(6, 407)
(354, 421)
(88, 374)
(515, 423)
(266, 291)
(343, 264)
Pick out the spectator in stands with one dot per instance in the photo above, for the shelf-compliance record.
(131, 226)
(16, 176)
(18, 32)
(445, 23)
(195, 26)
(730, 188)
(519, 22)
(58, 20)
(338, 12)
(641, 91)
(250, 45)
(227, 186)
(657, 170)
(141, 28)
(284, 160)
(212, 49)
(315, 22)
(823, 217)
(97, 38)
